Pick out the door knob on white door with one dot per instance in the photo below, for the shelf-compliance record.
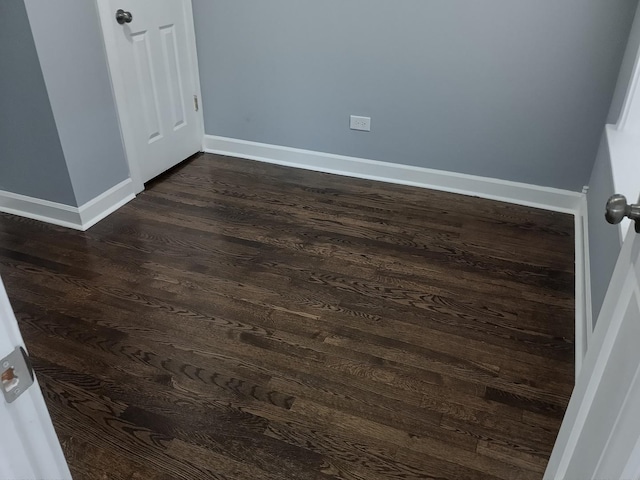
(123, 17)
(618, 208)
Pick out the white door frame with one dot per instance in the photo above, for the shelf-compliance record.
(107, 17)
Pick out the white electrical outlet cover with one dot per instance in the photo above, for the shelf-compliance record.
(360, 123)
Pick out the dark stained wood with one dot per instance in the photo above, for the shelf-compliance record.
(246, 321)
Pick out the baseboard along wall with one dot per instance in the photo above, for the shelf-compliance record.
(79, 218)
(565, 201)
(546, 198)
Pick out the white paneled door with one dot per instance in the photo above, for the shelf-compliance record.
(600, 435)
(29, 447)
(152, 59)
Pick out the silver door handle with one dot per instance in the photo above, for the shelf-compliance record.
(123, 17)
(618, 208)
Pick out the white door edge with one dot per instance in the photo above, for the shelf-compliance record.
(106, 17)
(621, 289)
(193, 64)
(29, 444)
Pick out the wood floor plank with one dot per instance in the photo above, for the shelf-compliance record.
(239, 320)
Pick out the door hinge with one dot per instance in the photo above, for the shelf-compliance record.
(195, 102)
(17, 374)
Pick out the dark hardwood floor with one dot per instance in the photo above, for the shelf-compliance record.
(245, 321)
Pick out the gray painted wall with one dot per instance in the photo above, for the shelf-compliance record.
(74, 63)
(626, 70)
(31, 158)
(517, 90)
(604, 239)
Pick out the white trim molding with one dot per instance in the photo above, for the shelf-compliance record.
(106, 203)
(79, 218)
(502, 190)
(546, 198)
(584, 310)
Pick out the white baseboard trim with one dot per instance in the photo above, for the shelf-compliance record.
(37, 209)
(78, 218)
(502, 190)
(584, 312)
(105, 204)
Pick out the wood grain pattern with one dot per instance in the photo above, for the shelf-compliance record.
(241, 320)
